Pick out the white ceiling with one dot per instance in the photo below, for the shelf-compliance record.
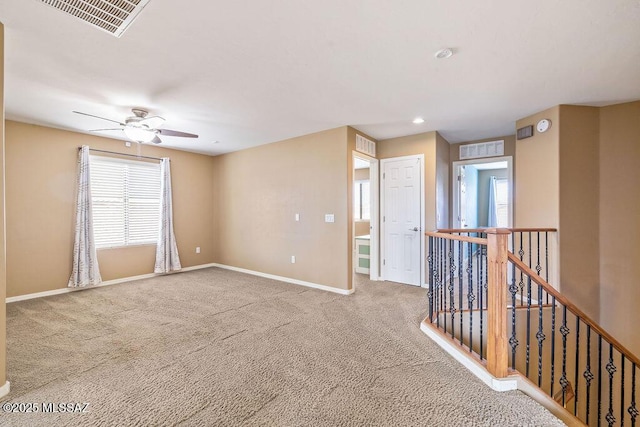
(252, 72)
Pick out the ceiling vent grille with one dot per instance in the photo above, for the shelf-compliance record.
(112, 16)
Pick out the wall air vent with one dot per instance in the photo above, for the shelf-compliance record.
(482, 149)
(112, 16)
(365, 145)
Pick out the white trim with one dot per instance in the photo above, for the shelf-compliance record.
(374, 231)
(4, 390)
(456, 185)
(286, 279)
(497, 384)
(194, 267)
(422, 281)
(105, 283)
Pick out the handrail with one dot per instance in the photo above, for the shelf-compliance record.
(482, 230)
(477, 240)
(573, 308)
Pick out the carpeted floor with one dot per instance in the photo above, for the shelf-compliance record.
(215, 347)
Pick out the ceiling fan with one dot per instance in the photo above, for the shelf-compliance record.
(141, 127)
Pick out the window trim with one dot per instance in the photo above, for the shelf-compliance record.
(357, 208)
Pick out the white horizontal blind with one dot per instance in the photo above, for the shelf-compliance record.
(126, 201)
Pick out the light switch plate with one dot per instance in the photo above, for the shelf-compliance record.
(297, 217)
(329, 218)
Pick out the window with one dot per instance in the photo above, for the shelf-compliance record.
(126, 201)
(361, 203)
(502, 202)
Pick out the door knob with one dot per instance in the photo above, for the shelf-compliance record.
(413, 229)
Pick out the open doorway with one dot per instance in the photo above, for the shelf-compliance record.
(365, 217)
(483, 193)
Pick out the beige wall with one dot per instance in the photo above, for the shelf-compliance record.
(436, 165)
(537, 183)
(40, 192)
(579, 193)
(362, 228)
(588, 190)
(3, 265)
(620, 222)
(259, 191)
(443, 173)
(537, 176)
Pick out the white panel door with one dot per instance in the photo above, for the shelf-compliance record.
(401, 211)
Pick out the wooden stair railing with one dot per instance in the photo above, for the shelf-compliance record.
(499, 308)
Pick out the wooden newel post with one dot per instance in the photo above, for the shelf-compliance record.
(497, 340)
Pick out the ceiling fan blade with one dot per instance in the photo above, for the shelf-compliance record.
(152, 122)
(100, 130)
(169, 132)
(156, 140)
(98, 117)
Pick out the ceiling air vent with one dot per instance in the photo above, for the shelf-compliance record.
(112, 16)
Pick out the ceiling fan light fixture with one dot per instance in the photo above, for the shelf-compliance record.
(139, 134)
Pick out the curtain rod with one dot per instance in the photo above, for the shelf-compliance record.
(122, 154)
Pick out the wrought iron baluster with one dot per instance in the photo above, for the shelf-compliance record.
(575, 380)
(611, 369)
(553, 342)
(480, 301)
(622, 390)
(538, 266)
(452, 270)
(633, 409)
(588, 375)
(513, 341)
(540, 336)
(470, 296)
(564, 330)
(530, 265)
(521, 284)
(431, 279)
(440, 278)
(546, 259)
(599, 378)
(528, 325)
(460, 276)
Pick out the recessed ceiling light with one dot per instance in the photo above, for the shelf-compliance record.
(418, 120)
(444, 53)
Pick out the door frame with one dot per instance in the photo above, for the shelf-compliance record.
(420, 157)
(455, 188)
(374, 230)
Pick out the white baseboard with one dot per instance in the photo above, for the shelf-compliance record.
(4, 390)
(286, 279)
(497, 384)
(195, 267)
(105, 283)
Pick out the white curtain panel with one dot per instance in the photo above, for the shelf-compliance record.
(85, 261)
(167, 258)
(492, 217)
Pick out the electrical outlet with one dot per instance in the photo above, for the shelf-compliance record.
(293, 259)
(297, 217)
(197, 249)
(329, 218)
